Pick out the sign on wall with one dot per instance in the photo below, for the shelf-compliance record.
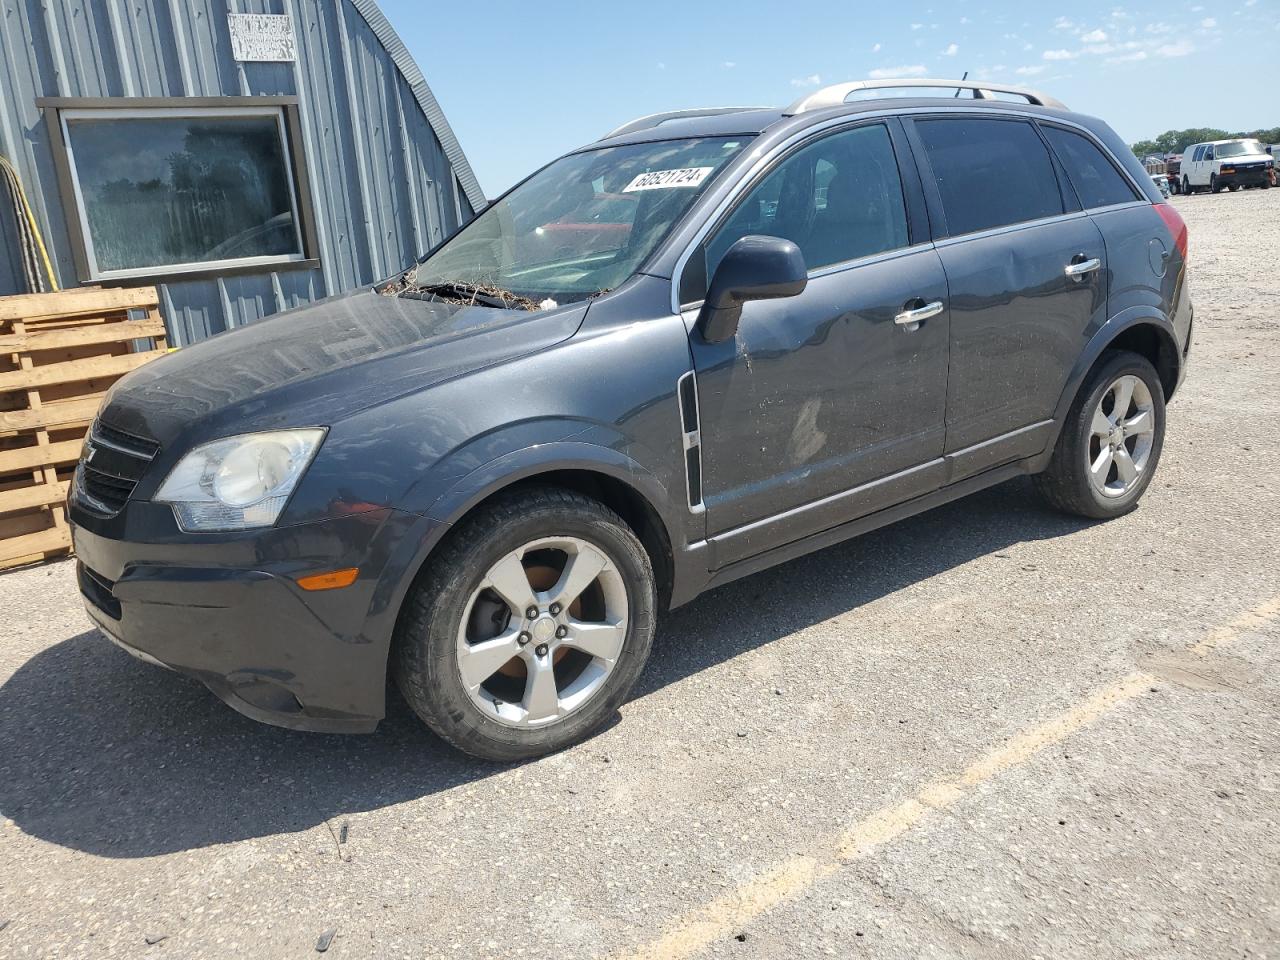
(262, 37)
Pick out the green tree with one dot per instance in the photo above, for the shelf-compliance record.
(1176, 141)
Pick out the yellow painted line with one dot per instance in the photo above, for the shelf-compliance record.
(728, 914)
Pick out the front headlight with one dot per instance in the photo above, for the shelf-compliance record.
(240, 482)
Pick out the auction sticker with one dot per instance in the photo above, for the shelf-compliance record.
(667, 179)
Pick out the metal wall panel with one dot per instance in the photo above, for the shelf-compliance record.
(385, 167)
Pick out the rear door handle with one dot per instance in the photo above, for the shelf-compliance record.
(1078, 268)
(911, 318)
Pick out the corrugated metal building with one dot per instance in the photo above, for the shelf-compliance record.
(244, 164)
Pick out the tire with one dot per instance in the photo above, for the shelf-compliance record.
(1067, 483)
(1234, 187)
(1186, 186)
(1213, 184)
(450, 600)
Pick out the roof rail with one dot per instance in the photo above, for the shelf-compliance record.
(657, 119)
(835, 95)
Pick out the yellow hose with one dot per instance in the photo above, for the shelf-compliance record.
(35, 227)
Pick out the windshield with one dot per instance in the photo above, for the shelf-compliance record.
(1237, 148)
(579, 227)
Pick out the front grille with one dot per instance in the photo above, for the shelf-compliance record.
(139, 446)
(113, 463)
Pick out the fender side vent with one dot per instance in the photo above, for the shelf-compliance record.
(693, 471)
(688, 403)
(687, 393)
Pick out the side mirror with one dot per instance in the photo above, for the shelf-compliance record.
(754, 268)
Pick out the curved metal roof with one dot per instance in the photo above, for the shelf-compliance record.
(404, 61)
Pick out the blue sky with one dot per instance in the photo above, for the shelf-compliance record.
(523, 82)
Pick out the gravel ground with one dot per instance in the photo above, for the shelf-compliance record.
(987, 731)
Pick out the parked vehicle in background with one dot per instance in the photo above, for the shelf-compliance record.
(1173, 170)
(491, 472)
(1226, 164)
(1162, 183)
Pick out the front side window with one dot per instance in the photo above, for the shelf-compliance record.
(990, 173)
(1096, 180)
(174, 190)
(579, 227)
(837, 199)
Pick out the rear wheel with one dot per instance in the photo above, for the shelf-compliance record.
(528, 629)
(1110, 444)
(1186, 185)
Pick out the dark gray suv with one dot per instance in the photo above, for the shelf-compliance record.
(708, 343)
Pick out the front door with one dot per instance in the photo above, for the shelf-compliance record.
(821, 395)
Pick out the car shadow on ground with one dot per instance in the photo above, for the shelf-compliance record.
(103, 754)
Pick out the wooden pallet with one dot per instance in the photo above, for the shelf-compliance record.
(59, 352)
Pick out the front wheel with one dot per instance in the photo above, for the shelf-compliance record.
(528, 629)
(1110, 443)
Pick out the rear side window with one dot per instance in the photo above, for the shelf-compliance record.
(1098, 183)
(990, 173)
(1198, 155)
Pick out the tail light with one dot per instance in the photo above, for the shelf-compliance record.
(1177, 226)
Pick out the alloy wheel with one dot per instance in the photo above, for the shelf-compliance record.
(542, 631)
(1122, 435)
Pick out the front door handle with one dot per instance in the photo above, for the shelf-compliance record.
(1078, 267)
(911, 318)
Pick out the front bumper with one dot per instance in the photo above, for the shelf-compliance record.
(1245, 177)
(227, 611)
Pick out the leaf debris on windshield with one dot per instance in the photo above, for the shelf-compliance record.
(471, 294)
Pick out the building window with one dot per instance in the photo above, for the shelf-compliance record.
(164, 190)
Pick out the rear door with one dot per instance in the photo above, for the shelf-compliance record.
(1027, 277)
(1199, 168)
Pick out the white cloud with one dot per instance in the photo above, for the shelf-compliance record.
(1208, 23)
(1030, 71)
(812, 80)
(661, 65)
(1178, 49)
(1129, 57)
(1062, 23)
(887, 73)
(1250, 3)
(875, 48)
(729, 64)
(1058, 55)
(1095, 36)
(917, 26)
(952, 50)
(963, 21)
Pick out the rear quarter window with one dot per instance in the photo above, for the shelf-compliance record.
(990, 173)
(1096, 180)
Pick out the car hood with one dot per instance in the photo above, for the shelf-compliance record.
(1246, 158)
(322, 362)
